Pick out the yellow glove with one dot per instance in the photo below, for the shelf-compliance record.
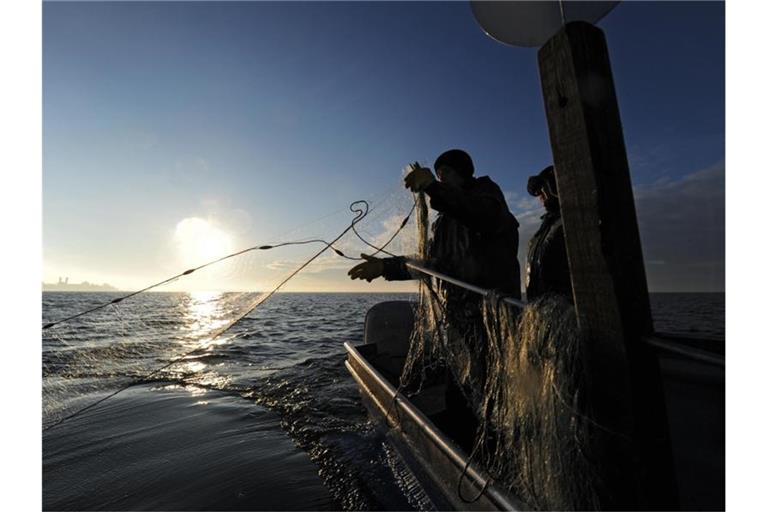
(369, 270)
(419, 179)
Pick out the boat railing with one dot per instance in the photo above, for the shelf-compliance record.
(486, 293)
(654, 341)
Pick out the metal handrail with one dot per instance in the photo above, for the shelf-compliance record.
(471, 287)
(674, 348)
(453, 452)
(682, 350)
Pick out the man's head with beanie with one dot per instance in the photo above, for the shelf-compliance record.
(544, 186)
(454, 160)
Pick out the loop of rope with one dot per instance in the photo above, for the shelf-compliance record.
(464, 474)
(360, 208)
(381, 249)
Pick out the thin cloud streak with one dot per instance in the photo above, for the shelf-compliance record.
(682, 228)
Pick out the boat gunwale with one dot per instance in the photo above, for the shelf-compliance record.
(454, 453)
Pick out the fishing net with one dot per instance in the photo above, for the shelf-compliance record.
(521, 373)
(176, 332)
(537, 435)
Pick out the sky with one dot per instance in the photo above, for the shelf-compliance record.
(177, 132)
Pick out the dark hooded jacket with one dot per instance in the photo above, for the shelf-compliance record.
(547, 268)
(474, 238)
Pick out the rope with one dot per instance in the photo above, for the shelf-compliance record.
(188, 272)
(464, 475)
(359, 208)
(329, 245)
(381, 249)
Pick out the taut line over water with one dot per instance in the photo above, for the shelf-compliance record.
(360, 208)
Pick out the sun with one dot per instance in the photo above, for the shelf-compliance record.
(199, 241)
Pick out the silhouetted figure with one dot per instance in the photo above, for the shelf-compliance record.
(547, 268)
(474, 239)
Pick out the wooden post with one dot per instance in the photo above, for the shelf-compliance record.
(607, 272)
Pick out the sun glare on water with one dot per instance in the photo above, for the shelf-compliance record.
(199, 241)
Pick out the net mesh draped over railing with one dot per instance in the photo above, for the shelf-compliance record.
(520, 368)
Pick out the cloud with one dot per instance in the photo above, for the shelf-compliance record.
(650, 157)
(375, 230)
(681, 221)
(519, 202)
(528, 211)
(682, 228)
(320, 265)
(234, 219)
(406, 242)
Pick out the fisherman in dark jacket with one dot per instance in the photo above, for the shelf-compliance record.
(474, 237)
(547, 268)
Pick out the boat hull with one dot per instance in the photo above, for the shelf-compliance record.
(694, 386)
(448, 477)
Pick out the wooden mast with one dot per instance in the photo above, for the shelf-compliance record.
(607, 272)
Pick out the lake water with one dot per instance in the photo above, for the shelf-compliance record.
(266, 419)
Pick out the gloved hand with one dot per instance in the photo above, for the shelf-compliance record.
(419, 179)
(369, 270)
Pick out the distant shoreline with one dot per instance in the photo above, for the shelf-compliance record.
(98, 289)
(115, 290)
(80, 287)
